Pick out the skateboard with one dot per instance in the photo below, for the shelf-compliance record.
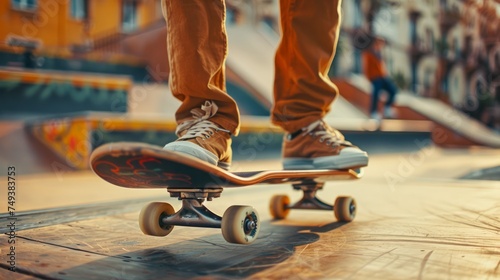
(138, 165)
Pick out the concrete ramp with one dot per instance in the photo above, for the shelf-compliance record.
(448, 118)
(20, 149)
(451, 126)
(251, 56)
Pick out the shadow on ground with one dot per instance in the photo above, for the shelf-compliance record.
(202, 257)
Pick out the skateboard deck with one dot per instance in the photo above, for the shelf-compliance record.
(137, 165)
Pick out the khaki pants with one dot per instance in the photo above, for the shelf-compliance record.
(197, 49)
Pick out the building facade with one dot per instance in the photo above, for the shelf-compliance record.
(71, 24)
(445, 49)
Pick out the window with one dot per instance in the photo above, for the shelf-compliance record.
(129, 16)
(24, 4)
(78, 9)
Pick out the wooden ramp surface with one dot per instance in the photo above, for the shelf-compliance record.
(413, 222)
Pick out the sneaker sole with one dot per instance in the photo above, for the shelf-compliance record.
(343, 161)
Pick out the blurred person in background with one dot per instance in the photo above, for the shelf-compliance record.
(376, 71)
(303, 92)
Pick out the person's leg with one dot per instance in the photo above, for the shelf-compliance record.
(391, 90)
(303, 91)
(197, 49)
(376, 87)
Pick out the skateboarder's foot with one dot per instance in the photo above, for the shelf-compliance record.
(389, 113)
(203, 139)
(375, 116)
(318, 146)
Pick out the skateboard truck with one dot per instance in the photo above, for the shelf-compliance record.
(309, 199)
(193, 212)
(239, 224)
(344, 207)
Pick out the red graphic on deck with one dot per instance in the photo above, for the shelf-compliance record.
(139, 171)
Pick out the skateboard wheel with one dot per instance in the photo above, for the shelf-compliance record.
(240, 224)
(150, 219)
(279, 206)
(345, 208)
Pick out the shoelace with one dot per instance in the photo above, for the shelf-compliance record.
(328, 135)
(200, 126)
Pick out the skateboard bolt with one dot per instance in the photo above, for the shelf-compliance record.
(250, 225)
(352, 208)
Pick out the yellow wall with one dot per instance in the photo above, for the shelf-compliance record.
(146, 13)
(105, 16)
(42, 24)
(52, 24)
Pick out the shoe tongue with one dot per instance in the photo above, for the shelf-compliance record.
(322, 126)
(210, 108)
(207, 110)
(199, 113)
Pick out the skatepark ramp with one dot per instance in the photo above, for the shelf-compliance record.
(450, 127)
(251, 57)
(19, 148)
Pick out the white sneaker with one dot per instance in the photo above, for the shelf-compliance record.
(203, 139)
(375, 116)
(389, 113)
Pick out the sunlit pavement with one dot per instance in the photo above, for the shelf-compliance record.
(415, 220)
